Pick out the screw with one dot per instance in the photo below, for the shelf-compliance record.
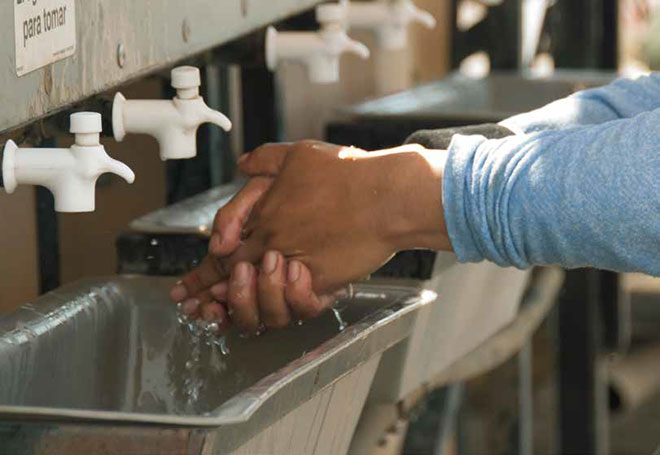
(185, 30)
(244, 7)
(121, 55)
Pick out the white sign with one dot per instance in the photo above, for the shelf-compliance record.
(45, 32)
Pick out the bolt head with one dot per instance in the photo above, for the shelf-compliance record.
(121, 55)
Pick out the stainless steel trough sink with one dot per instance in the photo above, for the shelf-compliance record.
(191, 216)
(111, 349)
(490, 99)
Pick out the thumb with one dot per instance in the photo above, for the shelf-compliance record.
(229, 220)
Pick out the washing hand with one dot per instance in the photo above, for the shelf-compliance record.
(315, 216)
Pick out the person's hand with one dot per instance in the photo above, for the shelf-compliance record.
(371, 205)
(205, 291)
(343, 212)
(336, 214)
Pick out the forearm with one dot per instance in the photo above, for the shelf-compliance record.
(624, 98)
(587, 196)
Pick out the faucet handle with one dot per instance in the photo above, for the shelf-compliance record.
(331, 13)
(186, 80)
(87, 127)
(85, 123)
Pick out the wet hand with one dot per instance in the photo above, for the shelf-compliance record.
(372, 205)
(335, 215)
(284, 290)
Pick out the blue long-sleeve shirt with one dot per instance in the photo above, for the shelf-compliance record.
(578, 186)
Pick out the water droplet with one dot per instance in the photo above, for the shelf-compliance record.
(224, 349)
(340, 320)
(212, 329)
(194, 329)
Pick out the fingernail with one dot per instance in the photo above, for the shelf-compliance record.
(178, 292)
(190, 306)
(219, 290)
(270, 262)
(243, 158)
(241, 274)
(294, 272)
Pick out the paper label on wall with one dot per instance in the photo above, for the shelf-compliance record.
(45, 32)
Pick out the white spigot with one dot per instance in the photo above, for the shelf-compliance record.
(320, 51)
(388, 18)
(70, 174)
(174, 122)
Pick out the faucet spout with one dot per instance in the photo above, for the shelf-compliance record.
(390, 20)
(218, 119)
(174, 122)
(116, 167)
(320, 51)
(70, 174)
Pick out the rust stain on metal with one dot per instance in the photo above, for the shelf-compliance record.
(107, 440)
(48, 80)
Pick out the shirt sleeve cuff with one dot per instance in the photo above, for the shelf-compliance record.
(456, 180)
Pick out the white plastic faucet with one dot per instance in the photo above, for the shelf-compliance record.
(319, 51)
(70, 174)
(388, 18)
(174, 122)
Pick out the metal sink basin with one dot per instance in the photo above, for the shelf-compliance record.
(191, 216)
(112, 349)
(460, 99)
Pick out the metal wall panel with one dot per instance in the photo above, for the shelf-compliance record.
(120, 40)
